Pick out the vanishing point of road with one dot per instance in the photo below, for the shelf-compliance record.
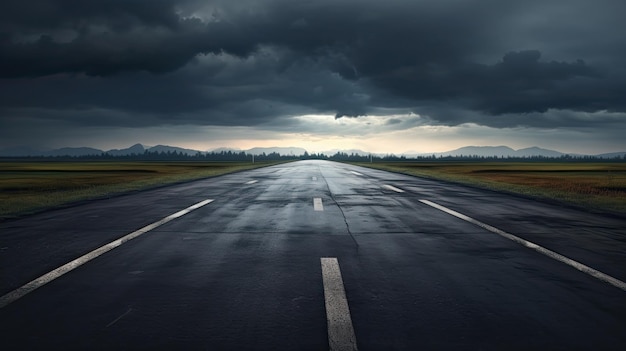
(314, 255)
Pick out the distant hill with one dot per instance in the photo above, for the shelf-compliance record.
(537, 151)
(224, 149)
(285, 151)
(136, 149)
(499, 151)
(171, 149)
(479, 151)
(139, 149)
(349, 152)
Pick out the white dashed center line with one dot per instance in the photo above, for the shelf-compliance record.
(70, 266)
(313, 178)
(340, 331)
(391, 187)
(317, 204)
(356, 173)
(251, 182)
(556, 256)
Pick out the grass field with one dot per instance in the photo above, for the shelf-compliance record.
(27, 187)
(598, 186)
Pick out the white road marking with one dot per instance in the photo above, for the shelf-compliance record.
(251, 182)
(356, 173)
(54, 274)
(391, 187)
(556, 256)
(340, 331)
(317, 204)
(313, 178)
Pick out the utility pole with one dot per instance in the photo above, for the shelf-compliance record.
(371, 158)
(252, 158)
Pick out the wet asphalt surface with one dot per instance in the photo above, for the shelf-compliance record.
(243, 272)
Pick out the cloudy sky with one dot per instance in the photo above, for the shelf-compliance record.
(382, 76)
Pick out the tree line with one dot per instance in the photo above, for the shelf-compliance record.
(230, 156)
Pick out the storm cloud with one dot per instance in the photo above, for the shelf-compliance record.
(136, 63)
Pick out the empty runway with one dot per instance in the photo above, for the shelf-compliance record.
(313, 255)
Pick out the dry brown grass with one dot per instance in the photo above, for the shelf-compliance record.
(599, 186)
(27, 187)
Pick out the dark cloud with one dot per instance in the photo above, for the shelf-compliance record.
(495, 63)
(519, 83)
(217, 89)
(106, 53)
(79, 15)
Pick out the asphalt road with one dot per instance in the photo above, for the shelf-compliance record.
(244, 271)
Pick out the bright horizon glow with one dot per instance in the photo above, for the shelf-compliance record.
(393, 134)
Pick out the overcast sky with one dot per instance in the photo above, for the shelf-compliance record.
(382, 76)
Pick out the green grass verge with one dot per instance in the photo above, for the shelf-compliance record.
(29, 187)
(595, 186)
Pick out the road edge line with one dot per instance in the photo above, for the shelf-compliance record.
(554, 255)
(36, 283)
